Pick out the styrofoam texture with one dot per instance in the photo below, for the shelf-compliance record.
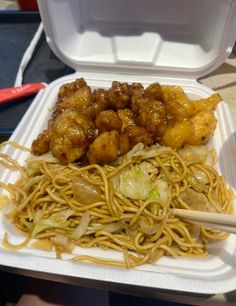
(169, 37)
(214, 274)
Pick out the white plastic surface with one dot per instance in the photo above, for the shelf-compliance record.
(183, 38)
(215, 274)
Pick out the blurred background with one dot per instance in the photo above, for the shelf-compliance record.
(21, 4)
(10, 4)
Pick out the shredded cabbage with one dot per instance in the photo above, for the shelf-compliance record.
(195, 183)
(199, 153)
(83, 226)
(134, 183)
(163, 190)
(56, 220)
(154, 194)
(140, 150)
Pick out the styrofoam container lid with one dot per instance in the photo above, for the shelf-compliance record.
(166, 37)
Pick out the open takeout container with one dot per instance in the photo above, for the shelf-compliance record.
(166, 41)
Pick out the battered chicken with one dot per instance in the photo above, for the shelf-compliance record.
(102, 125)
(108, 120)
(136, 101)
(152, 116)
(107, 147)
(78, 100)
(138, 134)
(177, 134)
(208, 104)
(41, 145)
(178, 104)
(104, 149)
(119, 95)
(172, 92)
(101, 103)
(124, 145)
(75, 96)
(191, 122)
(101, 100)
(178, 110)
(203, 124)
(126, 116)
(68, 89)
(70, 136)
(153, 91)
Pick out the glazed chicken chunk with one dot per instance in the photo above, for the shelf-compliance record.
(99, 125)
(78, 100)
(152, 116)
(119, 95)
(126, 116)
(108, 120)
(70, 136)
(41, 145)
(104, 149)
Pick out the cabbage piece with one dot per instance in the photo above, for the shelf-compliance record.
(63, 242)
(148, 229)
(195, 231)
(159, 192)
(199, 153)
(202, 177)
(154, 195)
(56, 220)
(195, 183)
(83, 226)
(148, 167)
(195, 200)
(62, 215)
(46, 157)
(47, 223)
(140, 150)
(135, 183)
(33, 171)
(163, 190)
(27, 224)
(85, 192)
(211, 159)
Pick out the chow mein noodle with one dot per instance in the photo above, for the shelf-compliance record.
(125, 206)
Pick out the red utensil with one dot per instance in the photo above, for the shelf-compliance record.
(12, 93)
(28, 5)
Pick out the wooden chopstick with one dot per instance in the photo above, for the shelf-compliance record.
(224, 222)
(223, 228)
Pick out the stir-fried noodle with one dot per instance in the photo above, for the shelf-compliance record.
(125, 206)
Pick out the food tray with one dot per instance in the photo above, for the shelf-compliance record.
(214, 274)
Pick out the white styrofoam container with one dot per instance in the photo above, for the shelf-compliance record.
(166, 41)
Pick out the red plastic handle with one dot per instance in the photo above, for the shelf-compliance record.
(12, 93)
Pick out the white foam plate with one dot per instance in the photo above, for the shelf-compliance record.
(214, 274)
